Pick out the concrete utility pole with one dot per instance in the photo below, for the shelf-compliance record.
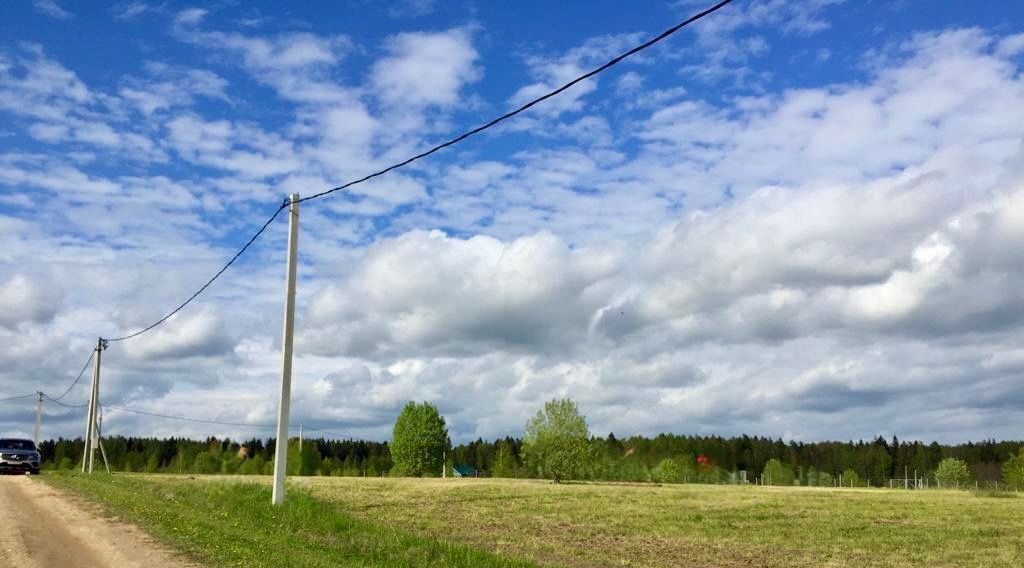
(99, 440)
(90, 421)
(39, 417)
(281, 451)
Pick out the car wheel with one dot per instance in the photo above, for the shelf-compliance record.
(34, 472)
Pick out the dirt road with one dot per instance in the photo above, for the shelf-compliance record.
(41, 527)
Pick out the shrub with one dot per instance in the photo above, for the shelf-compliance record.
(777, 473)
(850, 478)
(952, 473)
(668, 472)
(1013, 471)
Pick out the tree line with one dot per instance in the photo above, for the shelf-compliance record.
(557, 445)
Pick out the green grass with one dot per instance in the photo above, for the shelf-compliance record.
(413, 522)
(696, 525)
(224, 522)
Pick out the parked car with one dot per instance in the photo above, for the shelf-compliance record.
(18, 456)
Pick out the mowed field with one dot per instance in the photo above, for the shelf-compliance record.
(492, 522)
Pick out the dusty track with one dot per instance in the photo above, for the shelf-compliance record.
(41, 527)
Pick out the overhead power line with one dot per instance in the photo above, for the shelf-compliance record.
(210, 421)
(612, 62)
(338, 436)
(188, 419)
(92, 353)
(64, 404)
(208, 282)
(19, 397)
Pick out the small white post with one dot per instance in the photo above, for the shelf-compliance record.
(39, 417)
(281, 453)
(444, 464)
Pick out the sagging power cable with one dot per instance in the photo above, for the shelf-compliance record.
(188, 419)
(208, 282)
(610, 63)
(92, 353)
(64, 404)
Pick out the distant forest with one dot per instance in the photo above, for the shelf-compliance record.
(698, 459)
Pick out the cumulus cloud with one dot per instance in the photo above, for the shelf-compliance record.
(198, 334)
(415, 294)
(168, 86)
(26, 301)
(813, 262)
(425, 69)
(295, 64)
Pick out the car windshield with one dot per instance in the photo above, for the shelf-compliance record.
(6, 444)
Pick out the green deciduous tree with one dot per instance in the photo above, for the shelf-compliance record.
(205, 462)
(777, 473)
(557, 442)
(1013, 471)
(668, 471)
(850, 478)
(952, 473)
(419, 439)
(505, 462)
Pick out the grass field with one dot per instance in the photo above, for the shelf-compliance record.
(447, 522)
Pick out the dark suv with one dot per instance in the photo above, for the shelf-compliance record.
(19, 456)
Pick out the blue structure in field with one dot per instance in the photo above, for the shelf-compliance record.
(465, 471)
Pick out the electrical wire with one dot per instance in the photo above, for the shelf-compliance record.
(210, 281)
(188, 419)
(338, 436)
(614, 61)
(64, 404)
(17, 397)
(209, 421)
(92, 353)
(508, 115)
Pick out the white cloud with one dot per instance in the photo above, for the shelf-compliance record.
(1011, 46)
(411, 294)
(129, 10)
(168, 86)
(425, 69)
(815, 262)
(23, 301)
(51, 9)
(554, 72)
(296, 65)
(198, 333)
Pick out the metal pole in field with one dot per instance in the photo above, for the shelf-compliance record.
(90, 420)
(39, 416)
(281, 451)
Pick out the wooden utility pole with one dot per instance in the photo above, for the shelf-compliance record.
(281, 451)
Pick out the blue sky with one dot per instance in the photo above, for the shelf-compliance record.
(793, 219)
